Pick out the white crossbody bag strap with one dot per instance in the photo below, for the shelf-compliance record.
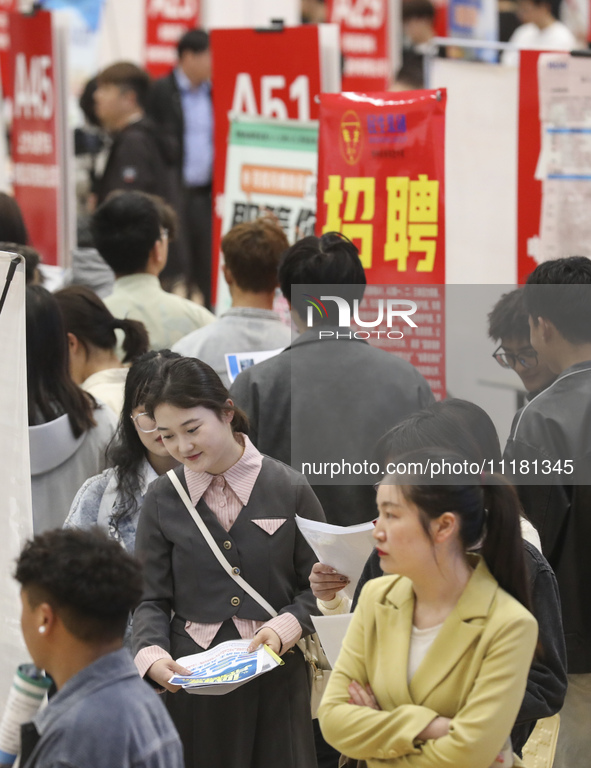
(214, 547)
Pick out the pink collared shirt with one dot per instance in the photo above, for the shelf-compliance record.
(225, 495)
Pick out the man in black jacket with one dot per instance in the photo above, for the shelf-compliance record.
(549, 455)
(180, 103)
(141, 157)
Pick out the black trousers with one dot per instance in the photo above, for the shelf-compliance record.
(196, 223)
(265, 723)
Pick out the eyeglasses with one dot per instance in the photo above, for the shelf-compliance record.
(528, 358)
(144, 423)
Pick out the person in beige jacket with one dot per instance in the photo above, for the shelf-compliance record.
(434, 665)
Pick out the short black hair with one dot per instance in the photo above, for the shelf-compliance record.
(554, 6)
(128, 77)
(559, 291)
(508, 318)
(328, 260)
(124, 229)
(195, 40)
(89, 580)
(418, 9)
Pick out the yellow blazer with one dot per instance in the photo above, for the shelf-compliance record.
(474, 673)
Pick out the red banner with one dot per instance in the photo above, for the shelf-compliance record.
(529, 189)
(34, 139)
(381, 183)
(166, 22)
(253, 74)
(365, 43)
(6, 7)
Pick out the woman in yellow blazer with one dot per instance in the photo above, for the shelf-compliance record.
(434, 666)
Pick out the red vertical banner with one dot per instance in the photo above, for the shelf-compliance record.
(381, 182)
(529, 189)
(365, 43)
(6, 8)
(166, 22)
(35, 138)
(253, 75)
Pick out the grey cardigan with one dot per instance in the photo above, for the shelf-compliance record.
(182, 575)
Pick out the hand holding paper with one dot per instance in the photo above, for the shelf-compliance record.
(266, 636)
(325, 582)
(162, 670)
(346, 549)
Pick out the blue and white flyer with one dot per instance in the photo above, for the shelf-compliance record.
(224, 668)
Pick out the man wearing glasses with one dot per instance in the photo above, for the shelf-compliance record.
(508, 324)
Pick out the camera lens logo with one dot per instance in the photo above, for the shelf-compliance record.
(350, 137)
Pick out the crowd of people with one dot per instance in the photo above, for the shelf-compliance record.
(469, 623)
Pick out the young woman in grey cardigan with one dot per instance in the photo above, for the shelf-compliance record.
(249, 503)
(113, 499)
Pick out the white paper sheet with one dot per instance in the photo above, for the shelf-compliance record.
(331, 632)
(344, 548)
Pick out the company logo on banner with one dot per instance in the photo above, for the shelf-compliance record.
(364, 42)
(381, 183)
(166, 22)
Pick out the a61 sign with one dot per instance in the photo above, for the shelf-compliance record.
(273, 90)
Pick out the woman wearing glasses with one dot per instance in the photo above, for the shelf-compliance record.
(113, 499)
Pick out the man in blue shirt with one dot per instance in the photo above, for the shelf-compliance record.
(78, 588)
(181, 104)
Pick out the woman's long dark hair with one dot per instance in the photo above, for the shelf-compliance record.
(488, 509)
(126, 451)
(87, 317)
(50, 389)
(190, 383)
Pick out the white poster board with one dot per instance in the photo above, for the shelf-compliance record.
(481, 226)
(480, 170)
(15, 478)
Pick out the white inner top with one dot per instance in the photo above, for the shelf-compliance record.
(420, 642)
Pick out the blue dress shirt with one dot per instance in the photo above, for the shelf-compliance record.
(198, 136)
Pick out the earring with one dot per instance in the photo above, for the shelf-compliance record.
(42, 629)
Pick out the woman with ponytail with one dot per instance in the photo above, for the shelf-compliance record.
(434, 665)
(92, 343)
(465, 428)
(249, 503)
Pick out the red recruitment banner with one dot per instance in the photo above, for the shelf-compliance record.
(34, 140)
(166, 22)
(381, 182)
(253, 75)
(6, 8)
(365, 43)
(529, 189)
